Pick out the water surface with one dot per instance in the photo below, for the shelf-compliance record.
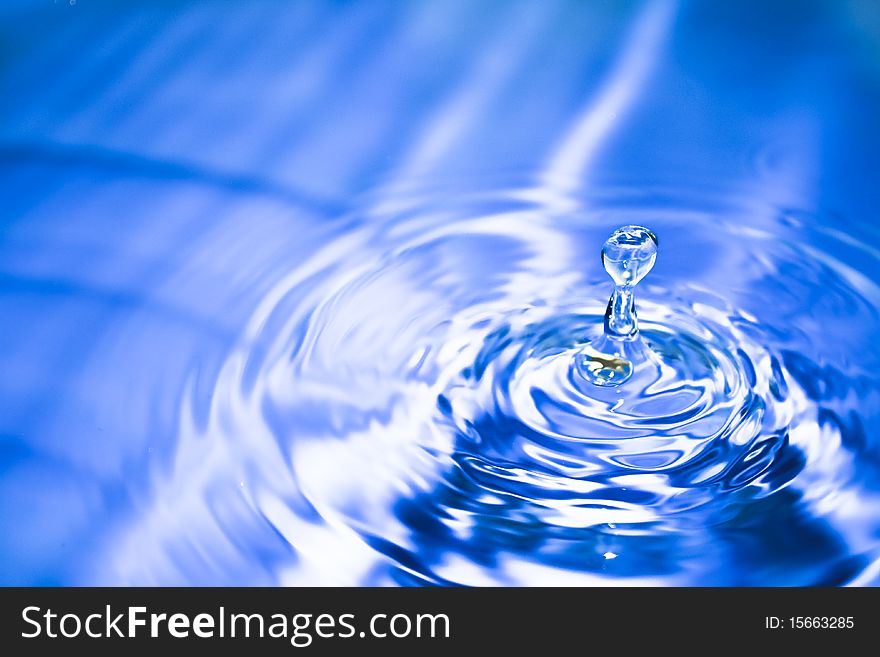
(291, 293)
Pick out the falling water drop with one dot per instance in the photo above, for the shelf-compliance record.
(628, 255)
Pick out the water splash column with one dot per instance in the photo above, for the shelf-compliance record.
(627, 255)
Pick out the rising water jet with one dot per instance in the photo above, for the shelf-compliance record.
(628, 255)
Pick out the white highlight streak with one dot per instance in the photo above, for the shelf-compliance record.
(596, 121)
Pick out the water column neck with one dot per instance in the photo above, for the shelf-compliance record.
(620, 316)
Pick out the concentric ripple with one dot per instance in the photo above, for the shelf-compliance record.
(688, 427)
(408, 399)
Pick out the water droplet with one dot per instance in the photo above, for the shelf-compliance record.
(628, 255)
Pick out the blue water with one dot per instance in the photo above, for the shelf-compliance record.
(294, 293)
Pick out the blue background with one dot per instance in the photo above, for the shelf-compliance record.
(161, 161)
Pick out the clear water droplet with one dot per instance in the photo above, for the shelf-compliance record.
(627, 255)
